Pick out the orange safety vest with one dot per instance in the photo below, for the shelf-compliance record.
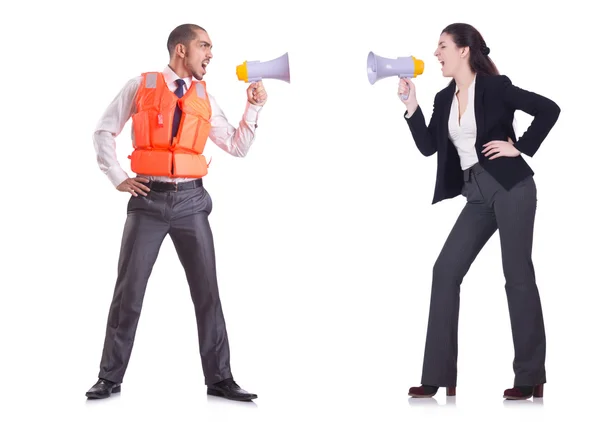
(155, 154)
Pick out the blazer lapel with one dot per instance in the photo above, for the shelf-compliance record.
(445, 116)
(479, 118)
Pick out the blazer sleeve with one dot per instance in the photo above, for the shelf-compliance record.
(423, 134)
(545, 113)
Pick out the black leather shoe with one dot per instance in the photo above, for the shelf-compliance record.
(230, 390)
(103, 389)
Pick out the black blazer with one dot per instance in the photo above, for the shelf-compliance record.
(496, 100)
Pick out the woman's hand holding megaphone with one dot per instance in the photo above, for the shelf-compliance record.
(406, 86)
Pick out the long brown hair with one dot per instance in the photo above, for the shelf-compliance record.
(465, 35)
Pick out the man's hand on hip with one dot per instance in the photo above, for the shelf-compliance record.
(134, 185)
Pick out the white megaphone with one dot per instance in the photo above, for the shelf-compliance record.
(403, 67)
(253, 71)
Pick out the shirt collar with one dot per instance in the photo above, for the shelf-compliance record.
(171, 77)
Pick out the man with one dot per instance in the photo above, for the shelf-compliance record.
(172, 117)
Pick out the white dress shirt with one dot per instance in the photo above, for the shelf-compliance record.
(234, 141)
(464, 133)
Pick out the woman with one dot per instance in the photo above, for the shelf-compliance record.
(471, 130)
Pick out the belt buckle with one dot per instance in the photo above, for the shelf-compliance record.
(176, 187)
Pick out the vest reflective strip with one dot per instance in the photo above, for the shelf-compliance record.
(151, 80)
(200, 91)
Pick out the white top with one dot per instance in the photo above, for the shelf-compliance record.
(464, 132)
(235, 141)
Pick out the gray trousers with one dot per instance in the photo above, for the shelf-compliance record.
(489, 207)
(184, 216)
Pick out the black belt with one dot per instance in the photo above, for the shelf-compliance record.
(173, 187)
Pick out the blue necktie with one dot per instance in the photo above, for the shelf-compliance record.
(177, 115)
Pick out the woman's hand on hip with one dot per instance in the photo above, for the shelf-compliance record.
(495, 149)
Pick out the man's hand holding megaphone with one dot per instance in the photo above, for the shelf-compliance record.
(257, 95)
(255, 71)
(405, 85)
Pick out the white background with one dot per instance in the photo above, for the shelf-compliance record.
(325, 233)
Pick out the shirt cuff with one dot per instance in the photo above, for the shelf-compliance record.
(116, 175)
(251, 113)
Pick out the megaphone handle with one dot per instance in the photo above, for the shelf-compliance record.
(405, 96)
